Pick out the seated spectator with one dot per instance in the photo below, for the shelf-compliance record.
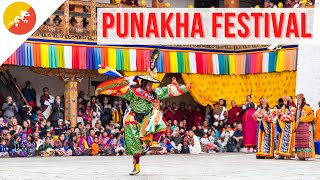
(216, 141)
(103, 143)
(205, 126)
(30, 145)
(174, 124)
(181, 126)
(95, 147)
(226, 135)
(7, 136)
(15, 127)
(115, 145)
(177, 140)
(46, 149)
(30, 94)
(91, 137)
(61, 146)
(164, 142)
(199, 131)
(37, 115)
(4, 150)
(83, 145)
(16, 148)
(238, 137)
(38, 141)
(195, 148)
(26, 130)
(61, 128)
(26, 112)
(206, 145)
(43, 128)
(185, 124)
(98, 126)
(9, 110)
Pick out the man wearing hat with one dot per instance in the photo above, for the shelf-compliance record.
(144, 123)
(286, 127)
(305, 119)
(265, 115)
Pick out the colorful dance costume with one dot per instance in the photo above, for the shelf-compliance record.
(144, 123)
(266, 132)
(286, 126)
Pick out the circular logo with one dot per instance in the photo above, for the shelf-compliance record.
(19, 18)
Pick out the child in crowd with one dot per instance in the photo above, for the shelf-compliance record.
(15, 148)
(207, 146)
(61, 146)
(82, 143)
(103, 146)
(216, 141)
(42, 129)
(115, 145)
(174, 124)
(46, 149)
(30, 145)
(3, 149)
(166, 146)
(95, 147)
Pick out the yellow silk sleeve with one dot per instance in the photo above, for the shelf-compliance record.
(307, 116)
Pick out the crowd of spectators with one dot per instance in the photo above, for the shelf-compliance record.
(29, 130)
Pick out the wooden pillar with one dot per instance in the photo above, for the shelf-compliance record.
(93, 17)
(158, 3)
(70, 98)
(66, 19)
(231, 4)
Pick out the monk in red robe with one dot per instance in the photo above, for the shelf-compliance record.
(234, 114)
(198, 117)
(168, 112)
(189, 115)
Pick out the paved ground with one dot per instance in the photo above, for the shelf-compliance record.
(224, 166)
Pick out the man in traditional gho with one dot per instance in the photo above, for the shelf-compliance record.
(264, 115)
(304, 133)
(143, 121)
(286, 125)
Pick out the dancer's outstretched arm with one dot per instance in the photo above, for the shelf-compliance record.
(173, 89)
(115, 87)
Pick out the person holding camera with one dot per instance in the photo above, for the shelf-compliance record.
(9, 110)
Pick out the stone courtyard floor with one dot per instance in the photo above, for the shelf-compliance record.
(224, 166)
